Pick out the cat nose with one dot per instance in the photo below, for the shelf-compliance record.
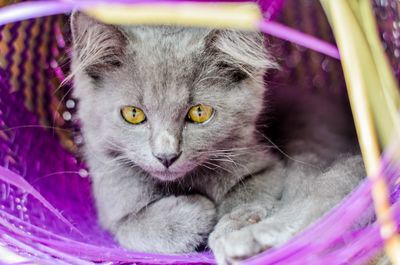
(167, 159)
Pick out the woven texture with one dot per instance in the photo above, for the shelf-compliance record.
(46, 206)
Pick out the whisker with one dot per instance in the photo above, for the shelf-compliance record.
(285, 154)
(218, 166)
(54, 174)
(33, 126)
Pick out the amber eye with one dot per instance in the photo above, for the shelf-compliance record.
(200, 113)
(133, 115)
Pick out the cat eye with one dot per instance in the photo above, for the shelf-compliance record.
(133, 115)
(200, 113)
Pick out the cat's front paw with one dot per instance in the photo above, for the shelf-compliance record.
(236, 221)
(171, 225)
(251, 240)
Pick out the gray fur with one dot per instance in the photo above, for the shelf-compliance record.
(226, 185)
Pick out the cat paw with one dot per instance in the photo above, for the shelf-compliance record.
(249, 241)
(171, 225)
(228, 226)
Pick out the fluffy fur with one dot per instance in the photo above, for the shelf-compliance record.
(226, 185)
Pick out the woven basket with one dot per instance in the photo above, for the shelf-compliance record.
(46, 207)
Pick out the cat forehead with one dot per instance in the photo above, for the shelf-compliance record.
(168, 38)
(165, 60)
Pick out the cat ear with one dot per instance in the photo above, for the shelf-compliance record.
(96, 46)
(239, 54)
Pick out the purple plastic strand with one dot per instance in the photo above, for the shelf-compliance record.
(70, 246)
(369, 241)
(283, 32)
(34, 9)
(37, 256)
(24, 242)
(17, 263)
(34, 227)
(68, 258)
(18, 181)
(361, 249)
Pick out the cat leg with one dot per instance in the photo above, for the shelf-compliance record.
(308, 199)
(142, 219)
(246, 204)
(170, 225)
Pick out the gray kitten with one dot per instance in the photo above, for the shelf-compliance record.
(164, 182)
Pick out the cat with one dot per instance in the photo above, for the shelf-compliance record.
(169, 118)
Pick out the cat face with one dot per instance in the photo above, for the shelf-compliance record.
(163, 100)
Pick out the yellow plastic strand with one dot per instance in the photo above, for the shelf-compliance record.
(387, 78)
(245, 16)
(373, 97)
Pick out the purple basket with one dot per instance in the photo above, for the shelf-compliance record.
(46, 207)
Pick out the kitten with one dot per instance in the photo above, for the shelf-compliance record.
(169, 120)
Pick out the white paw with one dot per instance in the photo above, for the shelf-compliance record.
(251, 240)
(227, 230)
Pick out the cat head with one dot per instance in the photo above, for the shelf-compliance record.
(163, 99)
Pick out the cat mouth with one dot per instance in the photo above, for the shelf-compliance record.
(167, 175)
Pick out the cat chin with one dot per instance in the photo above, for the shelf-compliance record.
(167, 175)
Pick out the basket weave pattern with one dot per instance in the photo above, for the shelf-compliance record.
(38, 145)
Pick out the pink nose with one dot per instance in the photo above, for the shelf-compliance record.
(167, 159)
